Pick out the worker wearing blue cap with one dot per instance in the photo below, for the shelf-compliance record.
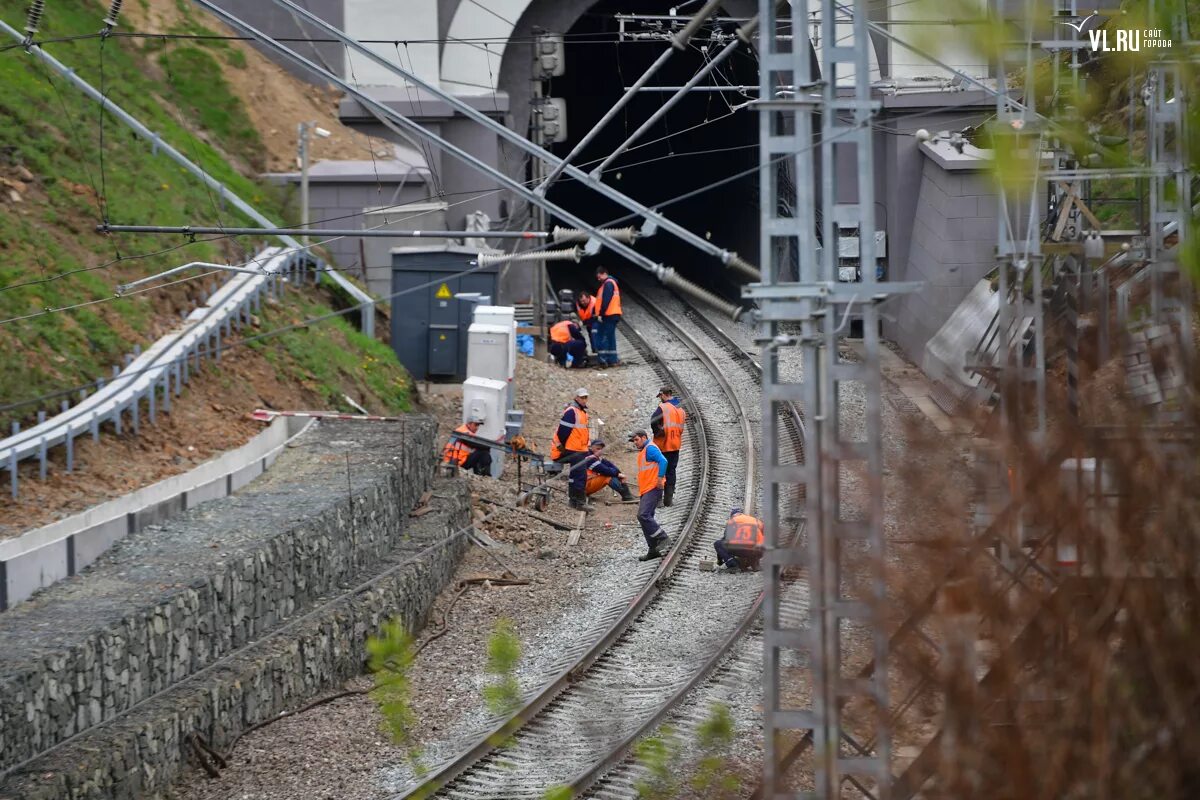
(743, 543)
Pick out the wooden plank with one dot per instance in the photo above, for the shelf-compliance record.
(573, 539)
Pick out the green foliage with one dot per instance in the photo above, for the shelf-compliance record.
(391, 658)
(503, 696)
(558, 793)
(659, 755)
(198, 88)
(52, 130)
(333, 356)
(712, 778)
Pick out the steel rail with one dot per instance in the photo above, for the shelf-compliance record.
(585, 780)
(661, 578)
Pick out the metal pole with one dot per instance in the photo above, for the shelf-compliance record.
(368, 308)
(726, 257)
(539, 216)
(202, 230)
(304, 209)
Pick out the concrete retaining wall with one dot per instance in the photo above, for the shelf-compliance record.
(140, 755)
(172, 601)
(41, 557)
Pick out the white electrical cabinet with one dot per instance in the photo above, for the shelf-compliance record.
(490, 355)
(505, 317)
(486, 399)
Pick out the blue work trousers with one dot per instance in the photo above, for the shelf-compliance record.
(605, 340)
(743, 557)
(645, 516)
(577, 348)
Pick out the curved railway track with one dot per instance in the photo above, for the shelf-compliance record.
(598, 702)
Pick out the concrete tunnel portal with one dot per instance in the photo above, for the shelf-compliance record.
(705, 138)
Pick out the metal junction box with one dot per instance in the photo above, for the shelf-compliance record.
(429, 326)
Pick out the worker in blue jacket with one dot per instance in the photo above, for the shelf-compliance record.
(652, 477)
(593, 473)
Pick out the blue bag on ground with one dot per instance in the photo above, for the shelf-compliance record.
(525, 344)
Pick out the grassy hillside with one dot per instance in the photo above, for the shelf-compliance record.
(59, 178)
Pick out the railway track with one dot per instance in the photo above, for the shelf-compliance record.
(599, 702)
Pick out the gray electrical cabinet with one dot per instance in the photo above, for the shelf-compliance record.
(429, 326)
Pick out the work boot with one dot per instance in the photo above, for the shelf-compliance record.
(577, 500)
(627, 496)
(668, 498)
(650, 555)
(662, 543)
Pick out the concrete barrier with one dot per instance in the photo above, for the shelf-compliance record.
(38, 558)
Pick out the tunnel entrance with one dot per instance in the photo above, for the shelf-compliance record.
(702, 139)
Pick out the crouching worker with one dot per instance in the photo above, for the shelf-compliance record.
(465, 454)
(593, 473)
(566, 340)
(742, 545)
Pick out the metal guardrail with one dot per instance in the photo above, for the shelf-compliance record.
(363, 300)
(153, 375)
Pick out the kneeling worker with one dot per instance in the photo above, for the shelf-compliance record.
(465, 454)
(567, 340)
(742, 545)
(652, 477)
(593, 473)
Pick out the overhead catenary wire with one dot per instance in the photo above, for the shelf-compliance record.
(616, 221)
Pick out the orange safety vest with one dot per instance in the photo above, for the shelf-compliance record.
(614, 305)
(580, 436)
(455, 451)
(647, 473)
(673, 418)
(587, 311)
(560, 332)
(744, 530)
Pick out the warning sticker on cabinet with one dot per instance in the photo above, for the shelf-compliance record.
(443, 292)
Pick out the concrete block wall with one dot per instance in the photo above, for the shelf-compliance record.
(142, 754)
(952, 247)
(157, 609)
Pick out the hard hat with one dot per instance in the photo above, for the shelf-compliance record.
(733, 512)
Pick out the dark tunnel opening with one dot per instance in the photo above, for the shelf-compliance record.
(701, 140)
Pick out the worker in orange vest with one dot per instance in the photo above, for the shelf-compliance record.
(667, 424)
(743, 543)
(652, 477)
(567, 344)
(608, 314)
(466, 455)
(585, 307)
(571, 438)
